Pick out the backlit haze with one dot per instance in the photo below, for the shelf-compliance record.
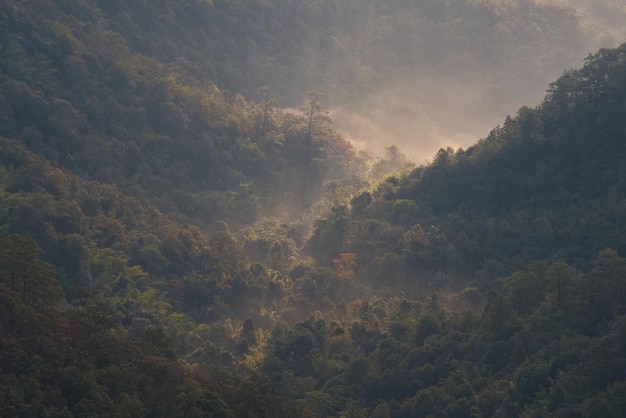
(451, 106)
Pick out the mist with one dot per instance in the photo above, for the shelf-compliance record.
(452, 98)
(425, 114)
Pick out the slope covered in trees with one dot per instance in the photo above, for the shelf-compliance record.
(155, 258)
(397, 66)
(346, 46)
(519, 238)
(547, 184)
(79, 362)
(78, 93)
(390, 69)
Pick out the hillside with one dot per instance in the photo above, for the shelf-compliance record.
(79, 94)
(514, 246)
(171, 247)
(547, 184)
(420, 75)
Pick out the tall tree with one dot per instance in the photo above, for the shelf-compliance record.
(315, 116)
(267, 107)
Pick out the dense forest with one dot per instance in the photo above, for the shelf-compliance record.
(185, 231)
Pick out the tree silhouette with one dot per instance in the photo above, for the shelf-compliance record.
(316, 116)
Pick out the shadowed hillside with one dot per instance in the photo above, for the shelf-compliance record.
(174, 243)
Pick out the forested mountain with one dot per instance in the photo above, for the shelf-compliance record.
(420, 74)
(173, 242)
(530, 219)
(425, 72)
(76, 92)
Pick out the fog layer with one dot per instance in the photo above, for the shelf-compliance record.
(452, 82)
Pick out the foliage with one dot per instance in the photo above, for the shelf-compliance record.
(171, 248)
(79, 362)
(84, 92)
(426, 361)
(536, 188)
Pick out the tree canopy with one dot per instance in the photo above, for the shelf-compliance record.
(175, 242)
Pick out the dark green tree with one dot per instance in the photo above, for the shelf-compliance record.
(24, 271)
